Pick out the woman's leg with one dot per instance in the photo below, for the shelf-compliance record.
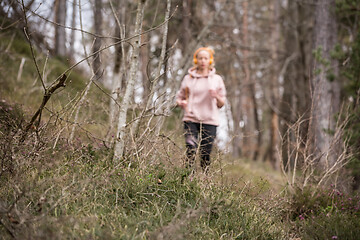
(208, 134)
(191, 139)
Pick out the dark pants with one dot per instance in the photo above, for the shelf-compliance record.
(198, 133)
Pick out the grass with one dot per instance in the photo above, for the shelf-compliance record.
(75, 191)
(261, 173)
(56, 190)
(328, 214)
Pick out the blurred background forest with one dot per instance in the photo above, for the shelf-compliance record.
(87, 105)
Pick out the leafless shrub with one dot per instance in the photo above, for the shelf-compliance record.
(304, 166)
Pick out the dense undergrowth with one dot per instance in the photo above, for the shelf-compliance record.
(53, 190)
(77, 192)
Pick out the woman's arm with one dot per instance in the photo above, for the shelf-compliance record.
(220, 101)
(182, 96)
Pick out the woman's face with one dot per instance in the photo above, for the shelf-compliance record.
(203, 59)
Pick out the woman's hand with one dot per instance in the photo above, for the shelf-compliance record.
(213, 93)
(182, 103)
(219, 100)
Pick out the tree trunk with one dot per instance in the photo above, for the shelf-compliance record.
(326, 89)
(235, 99)
(186, 23)
(249, 140)
(295, 102)
(119, 68)
(144, 57)
(60, 34)
(96, 64)
(305, 24)
(291, 73)
(120, 135)
(275, 95)
(72, 35)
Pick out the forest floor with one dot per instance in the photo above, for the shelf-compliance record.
(236, 170)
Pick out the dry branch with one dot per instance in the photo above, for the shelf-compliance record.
(46, 98)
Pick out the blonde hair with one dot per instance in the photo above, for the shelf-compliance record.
(209, 50)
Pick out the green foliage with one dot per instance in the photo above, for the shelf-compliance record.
(347, 11)
(352, 70)
(325, 214)
(337, 52)
(318, 55)
(337, 226)
(324, 63)
(313, 202)
(330, 76)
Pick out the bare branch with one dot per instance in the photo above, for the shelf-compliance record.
(46, 97)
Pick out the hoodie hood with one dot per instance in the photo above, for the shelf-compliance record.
(192, 72)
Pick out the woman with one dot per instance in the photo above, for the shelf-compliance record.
(201, 95)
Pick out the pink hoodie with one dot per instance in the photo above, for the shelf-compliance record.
(201, 107)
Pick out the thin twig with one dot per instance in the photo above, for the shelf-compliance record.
(31, 45)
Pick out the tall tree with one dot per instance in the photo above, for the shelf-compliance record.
(144, 59)
(233, 95)
(271, 90)
(248, 103)
(60, 34)
(121, 128)
(295, 101)
(73, 25)
(98, 19)
(326, 89)
(119, 10)
(186, 6)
